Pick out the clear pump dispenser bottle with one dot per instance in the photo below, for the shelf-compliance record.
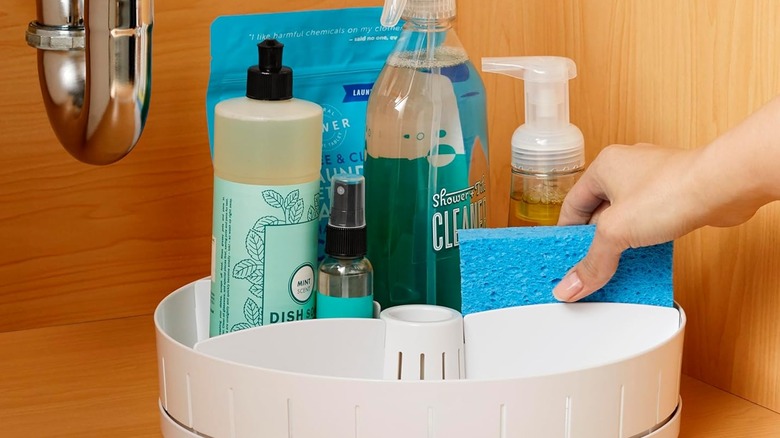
(426, 165)
(548, 152)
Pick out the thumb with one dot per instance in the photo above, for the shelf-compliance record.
(592, 272)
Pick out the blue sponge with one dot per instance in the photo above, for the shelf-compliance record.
(505, 267)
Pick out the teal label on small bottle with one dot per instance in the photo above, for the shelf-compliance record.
(344, 307)
(264, 254)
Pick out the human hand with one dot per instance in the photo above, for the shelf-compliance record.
(637, 195)
(644, 194)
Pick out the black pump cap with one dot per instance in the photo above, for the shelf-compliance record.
(269, 80)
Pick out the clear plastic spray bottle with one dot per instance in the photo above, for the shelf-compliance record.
(426, 165)
(346, 276)
(548, 152)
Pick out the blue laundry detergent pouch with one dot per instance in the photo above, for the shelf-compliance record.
(336, 56)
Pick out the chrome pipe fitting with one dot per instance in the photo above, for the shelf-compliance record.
(94, 67)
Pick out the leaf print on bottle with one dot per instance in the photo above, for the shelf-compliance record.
(295, 212)
(273, 198)
(314, 208)
(311, 214)
(252, 313)
(256, 277)
(291, 198)
(264, 221)
(256, 289)
(252, 269)
(240, 326)
(244, 269)
(255, 245)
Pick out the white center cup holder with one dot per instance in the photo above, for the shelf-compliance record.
(423, 342)
(584, 370)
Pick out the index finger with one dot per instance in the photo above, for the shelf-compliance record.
(582, 201)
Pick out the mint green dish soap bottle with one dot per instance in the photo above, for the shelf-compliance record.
(426, 165)
(267, 149)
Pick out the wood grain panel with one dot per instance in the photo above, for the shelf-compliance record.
(83, 380)
(83, 243)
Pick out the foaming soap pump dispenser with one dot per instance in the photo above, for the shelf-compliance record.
(548, 152)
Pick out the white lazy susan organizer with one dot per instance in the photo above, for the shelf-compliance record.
(586, 370)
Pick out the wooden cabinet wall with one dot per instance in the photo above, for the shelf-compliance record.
(82, 243)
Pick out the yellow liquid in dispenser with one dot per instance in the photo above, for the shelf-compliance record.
(525, 212)
(536, 199)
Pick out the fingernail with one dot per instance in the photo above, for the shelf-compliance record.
(568, 288)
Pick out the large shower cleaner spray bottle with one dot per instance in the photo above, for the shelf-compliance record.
(426, 163)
